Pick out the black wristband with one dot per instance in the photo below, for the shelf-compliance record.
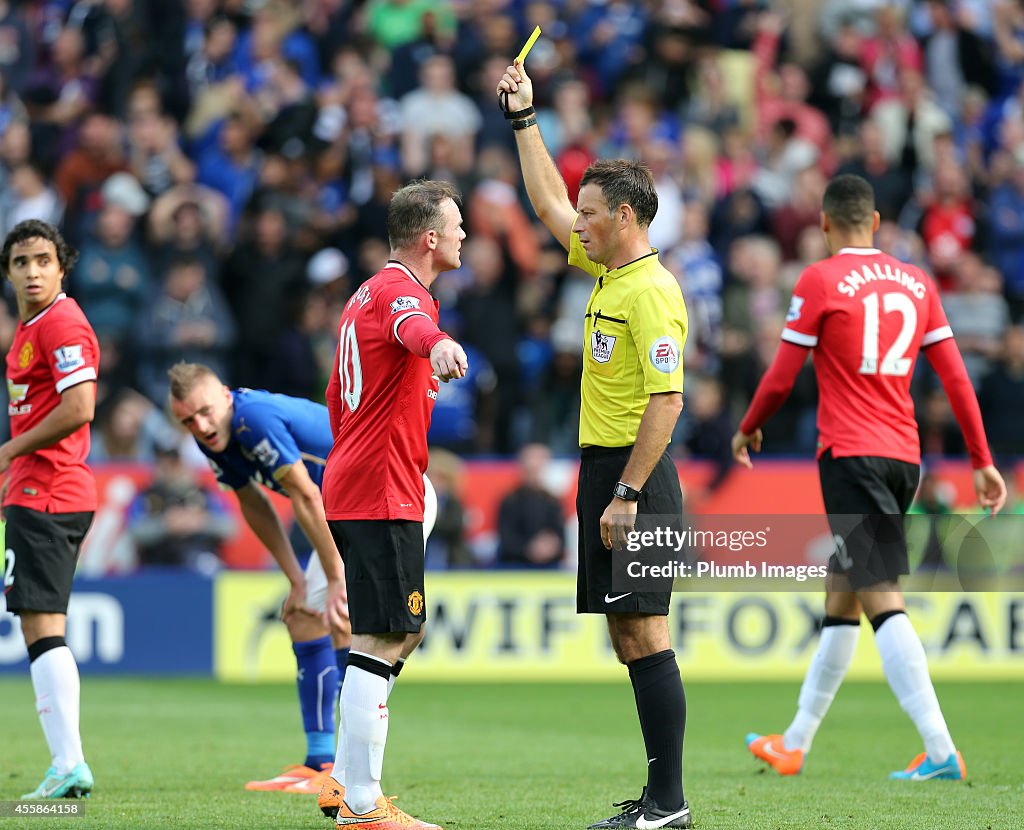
(523, 124)
(512, 116)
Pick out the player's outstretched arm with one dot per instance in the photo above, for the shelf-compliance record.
(544, 183)
(948, 363)
(308, 505)
(261, 516)
(421, 336)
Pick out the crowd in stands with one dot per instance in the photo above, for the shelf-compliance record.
(225, 167)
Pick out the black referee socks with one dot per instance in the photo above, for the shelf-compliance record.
(661, 704)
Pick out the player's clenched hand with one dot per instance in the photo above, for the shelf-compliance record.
(740, 442)
(990, 487)
(295, 602)
(448, 360)
(6, 457)
(519, 87)
(617, 521)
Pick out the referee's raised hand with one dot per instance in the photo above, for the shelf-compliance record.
(516, 84)
(448, 360)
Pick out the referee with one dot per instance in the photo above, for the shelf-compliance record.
(631, 398)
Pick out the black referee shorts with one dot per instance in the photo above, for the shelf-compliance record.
(600, 470)
(866, 498)
(40, 557)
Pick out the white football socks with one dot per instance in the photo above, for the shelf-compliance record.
(58, 691)
(339, 759)
(365, 727)
(906, 668)
(824, 676)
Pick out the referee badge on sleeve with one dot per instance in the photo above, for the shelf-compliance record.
(601, 346)
(664, 354)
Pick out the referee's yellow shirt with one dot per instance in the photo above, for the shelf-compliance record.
(633, 347)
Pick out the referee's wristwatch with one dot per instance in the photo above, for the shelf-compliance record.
(625, 492)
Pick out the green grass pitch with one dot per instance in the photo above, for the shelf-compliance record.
(176, 753)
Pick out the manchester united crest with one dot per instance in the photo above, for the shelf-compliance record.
(25, 355)
(415, 603)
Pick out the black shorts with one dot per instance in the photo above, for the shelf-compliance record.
(600, 469)
(383, 573)
(866, 498)
(39, 563)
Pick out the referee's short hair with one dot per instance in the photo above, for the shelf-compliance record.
(37, 229)
(849, 202)
(416, 208)
(625, 182)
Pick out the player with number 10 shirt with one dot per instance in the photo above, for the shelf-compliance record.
(380, 397)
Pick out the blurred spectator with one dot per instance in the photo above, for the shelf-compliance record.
(494, 210)
(707, 427)
(910, 122)
(1002, 396)
(262, 277)
(189, 220)
(28, 195)
(699, 273)
(17, 57)
(1006, 234)
(233, 165)
(887, 52)
(784, 156)
(128, 429)
(188, 319)
(393, 23)
(446, 546)
(940, 433)
(710, 105)
(783, 94)
(955, 56)
(97, 156)
(531, 522)
(892, 183)
(839, 81)
(555, 410)
(464, 413)
(112, 280)
(434, 109)
(950, 221)
(156, 158)
(295, 366)
(977, 313)
(802, 210)
(490, 322)
(177, 521)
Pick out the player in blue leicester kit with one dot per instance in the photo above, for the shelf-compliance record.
(251, 438)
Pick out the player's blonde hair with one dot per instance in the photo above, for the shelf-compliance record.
(184, 377)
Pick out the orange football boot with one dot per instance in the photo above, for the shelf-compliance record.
(331, 795)
(769, 748)
(384, 816)
(288, 777)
